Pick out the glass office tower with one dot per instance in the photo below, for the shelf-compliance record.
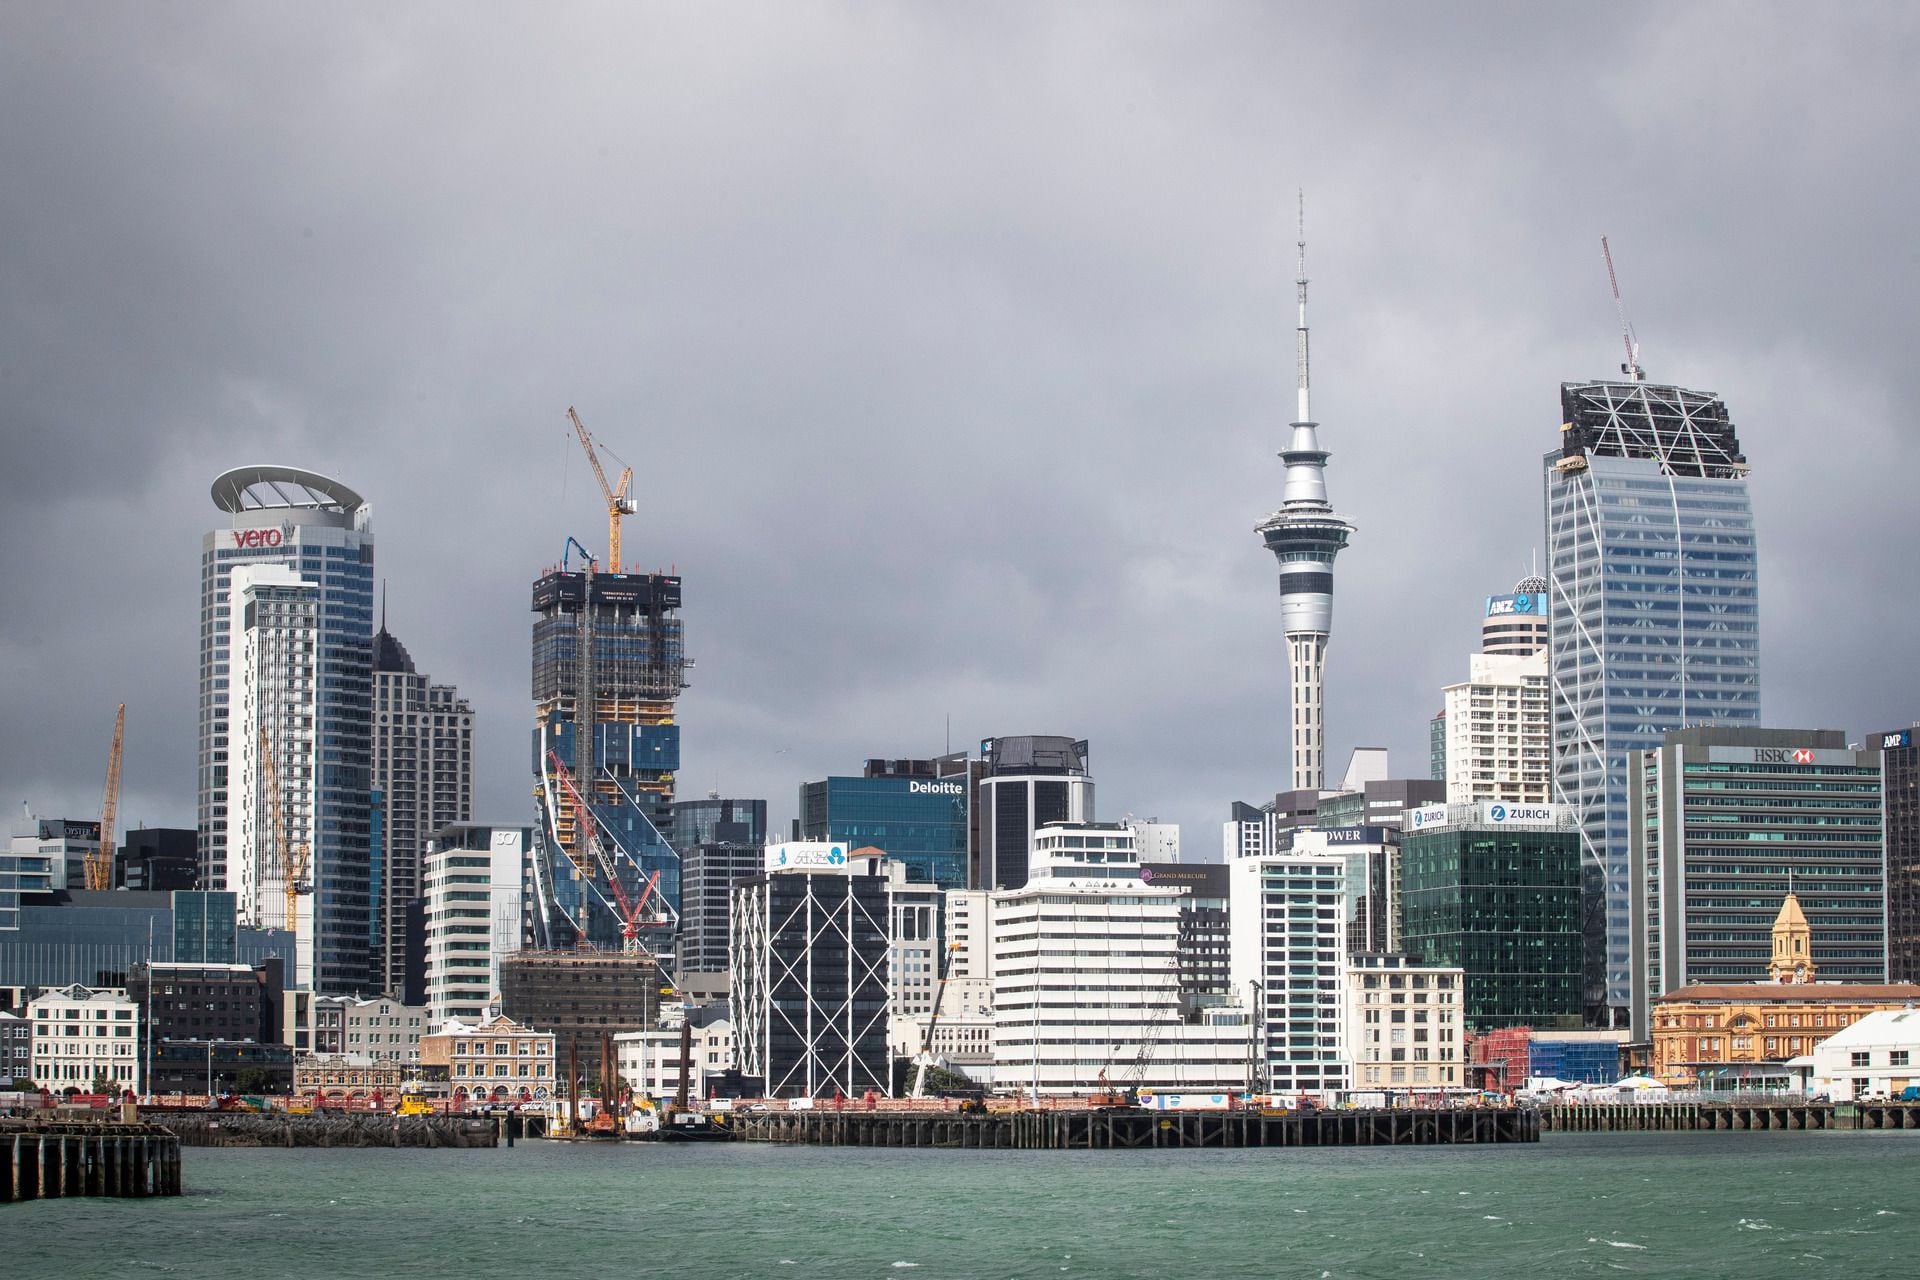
(1655, 617)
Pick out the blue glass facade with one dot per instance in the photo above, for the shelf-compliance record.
(921, 822)
(95, 938)
(1655, 617)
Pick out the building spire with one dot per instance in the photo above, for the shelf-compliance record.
(1300, 280)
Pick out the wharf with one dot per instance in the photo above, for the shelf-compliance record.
(358, 1129)
(48, 1160)
(1722, 1116)
(1140, 1129)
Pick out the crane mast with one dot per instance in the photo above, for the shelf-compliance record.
(619, 503)
(100, 861)
(1632, 367)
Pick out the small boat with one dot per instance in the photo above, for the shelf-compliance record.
(692, 1126)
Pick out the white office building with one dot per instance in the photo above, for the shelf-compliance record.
(1289, 952)
(82, 1035)
(273, 706)
(649, 1061)
(1499, 731)
(1405, 1027)
(1086, 978)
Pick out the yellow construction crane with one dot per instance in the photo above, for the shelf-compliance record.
(618, 502)
(100, 861)
(292, 863)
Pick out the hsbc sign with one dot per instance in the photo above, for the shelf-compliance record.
(251, 538)
(1782, 755)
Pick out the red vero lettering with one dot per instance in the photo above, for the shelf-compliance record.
(256, 537)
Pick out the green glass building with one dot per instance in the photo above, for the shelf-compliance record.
(1495, 889)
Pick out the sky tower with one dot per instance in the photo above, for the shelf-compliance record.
(1304, 535)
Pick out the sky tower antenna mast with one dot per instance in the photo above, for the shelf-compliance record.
(1632, 367)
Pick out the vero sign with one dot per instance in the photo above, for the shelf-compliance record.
(252, 538)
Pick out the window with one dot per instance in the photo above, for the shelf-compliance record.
(1859, 1060)
(1897, 1058)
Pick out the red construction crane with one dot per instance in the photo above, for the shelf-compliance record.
(590, 839)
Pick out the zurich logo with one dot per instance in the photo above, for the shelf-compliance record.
(1499, 813)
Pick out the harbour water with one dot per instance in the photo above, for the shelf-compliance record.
(1747, 1205)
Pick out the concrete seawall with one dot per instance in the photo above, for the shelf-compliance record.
(44, 1161)
(1132, 1129)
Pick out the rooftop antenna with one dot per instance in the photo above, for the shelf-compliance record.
(1632, 367)
(1300, 281)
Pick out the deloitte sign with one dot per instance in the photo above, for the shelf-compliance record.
(936, 788)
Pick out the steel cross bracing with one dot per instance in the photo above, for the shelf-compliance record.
(1687, 432)
(816, 920)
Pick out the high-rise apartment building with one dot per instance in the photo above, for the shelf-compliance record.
(1500, 731)
(1025, 783)
(473, 877)
(1730, 821)
(423, 775)
(1304, 536)
(305, 627)
(1289, 954)
(1654, 596)
(608, 665)
(1900, 816)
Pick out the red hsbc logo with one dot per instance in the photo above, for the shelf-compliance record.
(1803, 756)
(256, 537)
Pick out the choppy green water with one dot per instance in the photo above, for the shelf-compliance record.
(1752, 1206)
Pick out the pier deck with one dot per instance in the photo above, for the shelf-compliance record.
(1139, 1129)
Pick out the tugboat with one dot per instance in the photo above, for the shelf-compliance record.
(678, 1123)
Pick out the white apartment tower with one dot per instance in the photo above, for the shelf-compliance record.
(1499, 727)
(423, 773)
(1288, 947)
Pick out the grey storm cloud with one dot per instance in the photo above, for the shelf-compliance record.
(950, 346)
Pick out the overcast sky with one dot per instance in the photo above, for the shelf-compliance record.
(950, 345)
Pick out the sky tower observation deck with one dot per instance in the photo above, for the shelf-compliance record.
(1304, 536)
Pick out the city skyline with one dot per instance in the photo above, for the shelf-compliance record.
(1006, 401)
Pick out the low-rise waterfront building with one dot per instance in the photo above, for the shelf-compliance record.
(1877, 1056)
(348, 1075)
(1405, 1026)
(83, 1036)
(650, 1061)
(582, 997)
(383, 1029)
(16, 1048)
(494, 1059)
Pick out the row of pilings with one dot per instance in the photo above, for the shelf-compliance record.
(1135, 1129)
(50, 1160)
(1655, 1117)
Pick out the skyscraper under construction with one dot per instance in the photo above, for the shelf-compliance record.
(608, 664)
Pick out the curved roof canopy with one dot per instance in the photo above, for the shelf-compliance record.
(266, 486)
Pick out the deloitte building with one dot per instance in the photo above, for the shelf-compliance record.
(920, 821)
